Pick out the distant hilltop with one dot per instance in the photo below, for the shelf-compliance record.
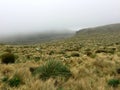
(112, 28)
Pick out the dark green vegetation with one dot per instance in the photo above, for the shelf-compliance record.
(8, 58)
(52, 69)
(114, 82)
(14, 81)
(5, 79)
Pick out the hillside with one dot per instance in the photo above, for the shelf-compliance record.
(92, 58)
(103, 34)
(112, 28)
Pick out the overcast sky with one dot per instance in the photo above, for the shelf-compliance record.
(23, 16)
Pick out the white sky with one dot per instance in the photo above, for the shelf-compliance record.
(23, 16)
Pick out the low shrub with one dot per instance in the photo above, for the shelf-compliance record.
(8, 58)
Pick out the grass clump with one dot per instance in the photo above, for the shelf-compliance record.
(90, 54)
(118, 70)
(5, 79)
(37, 58)
(113, 82)
(51, 52)
(106, 50)
(52, 69)
(8, 58)
(14, 81)
(75, 54)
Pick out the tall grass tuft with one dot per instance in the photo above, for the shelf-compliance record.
(52, 69)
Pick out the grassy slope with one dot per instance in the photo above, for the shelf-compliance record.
(91, 69)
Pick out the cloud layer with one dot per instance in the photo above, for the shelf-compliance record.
(27, 16)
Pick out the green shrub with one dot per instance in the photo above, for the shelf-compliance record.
(14, 81)
(8, 58)
(113, 82)
(5, 79)
(52, 69)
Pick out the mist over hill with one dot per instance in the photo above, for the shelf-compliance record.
(101, 32)
(33, 38)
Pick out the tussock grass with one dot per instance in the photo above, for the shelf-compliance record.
(52, 69)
